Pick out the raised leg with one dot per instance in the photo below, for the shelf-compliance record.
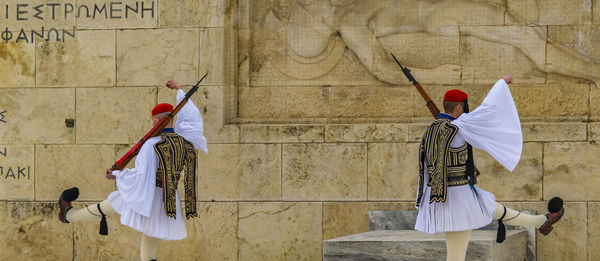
(90, 213)
(517, 218)
(542, 222)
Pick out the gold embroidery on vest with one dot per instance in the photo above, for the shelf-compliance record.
(174, 154)
(446, 166)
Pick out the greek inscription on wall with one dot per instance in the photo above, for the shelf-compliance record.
(29, 36)
(2, 116)
(24, 13)
(15, 173)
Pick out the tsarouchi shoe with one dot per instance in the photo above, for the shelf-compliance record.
(64, 202)
(555, 207)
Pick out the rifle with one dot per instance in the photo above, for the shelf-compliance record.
(431, 106)
(155, 131)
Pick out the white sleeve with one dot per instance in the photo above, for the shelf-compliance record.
(136, 186)
(189, 123)
(494, 126)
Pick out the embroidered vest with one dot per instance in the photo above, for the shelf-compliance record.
(174, 154)
(446, 166)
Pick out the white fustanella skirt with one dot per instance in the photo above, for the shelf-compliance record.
(158, 224)
(463, 210)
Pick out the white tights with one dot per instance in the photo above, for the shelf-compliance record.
(148, 244)
(148, 247)
(457, 241)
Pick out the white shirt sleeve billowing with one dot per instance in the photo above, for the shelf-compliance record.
(494, 126)
(136, 186)
(189, 123)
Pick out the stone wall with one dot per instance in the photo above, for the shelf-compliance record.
(309, 121)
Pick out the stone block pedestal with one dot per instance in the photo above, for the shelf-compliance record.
(414, 245)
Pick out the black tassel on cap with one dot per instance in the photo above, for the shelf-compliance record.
(501, 235)
(470, 165)
(103, 224)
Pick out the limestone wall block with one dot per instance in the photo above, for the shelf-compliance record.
(86, 60)
(549, 12)
(211, 236)
(223, 134)
(240, 172)
(595, 99)
(524, 183)
(580, 39)
(549, 131)
(461, 12)
(209, 100)
(594, 131)
(283, 102)
(36, 116)
(193, 13)
(596, 11)
(366, 133)
(17, 172)
(212, 55)
(152, 57)
(324, 171)
(570, 169)
(18, 63)
(114, 115)
(119, 14)
(551, 99)
(416, 131)
(347, 70)
(347, 218)
(344, 218)
(393, 171)
(422, 50)
(282, 133)
(60, 167)
(367, 102)
(593, 230)
(493, 51)
(32, 231)
(279, 231)
(243, 52)
(572, 55)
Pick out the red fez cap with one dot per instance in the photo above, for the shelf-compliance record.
(160, 108)
(455, 96)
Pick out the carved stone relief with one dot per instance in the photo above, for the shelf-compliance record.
(348, 42)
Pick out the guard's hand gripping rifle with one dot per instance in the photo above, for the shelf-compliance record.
(155, 131)
(432, 108)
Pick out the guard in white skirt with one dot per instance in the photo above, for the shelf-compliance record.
(447, 199)
(147, 198)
